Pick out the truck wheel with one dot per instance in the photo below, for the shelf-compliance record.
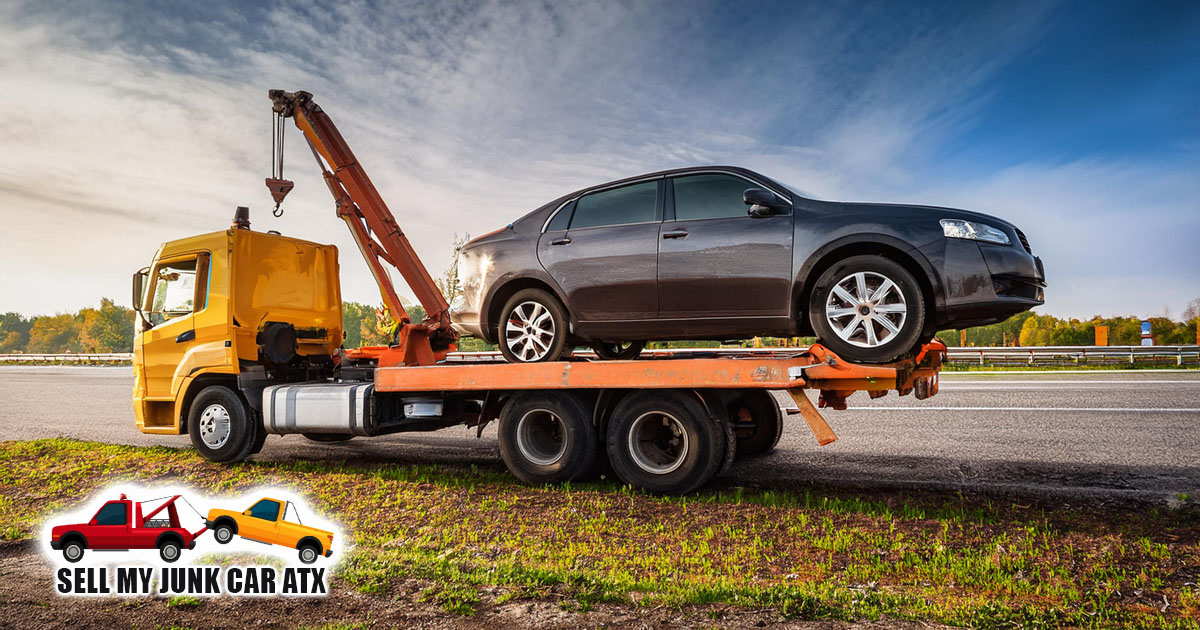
(309, 553)
(758, 409)
(327, 437)
(867, 308)
(618, 350)
(665, 442)
(73, 551)
(223, 533)
(547, 437)
(169, 550)
(532, 327)
(219, 425)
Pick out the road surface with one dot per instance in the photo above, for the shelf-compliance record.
(1108, 436)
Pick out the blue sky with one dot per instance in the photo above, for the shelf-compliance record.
(128, 124)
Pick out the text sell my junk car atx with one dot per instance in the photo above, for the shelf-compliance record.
(161, 534)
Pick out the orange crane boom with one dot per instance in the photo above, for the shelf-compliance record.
(374, 228)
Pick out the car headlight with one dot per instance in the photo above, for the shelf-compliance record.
(958, 228)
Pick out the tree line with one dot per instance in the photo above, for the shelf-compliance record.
(110, 327)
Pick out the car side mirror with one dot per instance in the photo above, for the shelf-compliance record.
(92, 522)
(246, 513)
(762, 202)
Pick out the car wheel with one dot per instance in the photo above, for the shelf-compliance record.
(758, 422)
(533, 327)
(309, 553)
(547, 437)
(867, 309)
(618, 350)
(169, 550)
(223, 533)
(219, 425)
(665, 442)
(328, 437)
(73, 551)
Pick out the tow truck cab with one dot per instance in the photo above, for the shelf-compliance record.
(213, 306)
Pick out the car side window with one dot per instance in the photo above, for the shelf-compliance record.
(636, 203)
(112, 514)
(562, 219)
(266, 510)
(710, 196)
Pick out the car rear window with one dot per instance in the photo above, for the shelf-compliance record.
(710, 196)
(635, 203)
(112, 514)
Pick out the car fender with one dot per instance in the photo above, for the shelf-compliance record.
(804, 274)
(497, 288)
(169, 535)
(73, 534)
(310, 539)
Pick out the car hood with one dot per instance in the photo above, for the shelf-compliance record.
(934, 212)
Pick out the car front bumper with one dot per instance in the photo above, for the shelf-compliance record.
(56, 545)
(983, 283)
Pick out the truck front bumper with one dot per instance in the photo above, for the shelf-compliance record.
(56, 545)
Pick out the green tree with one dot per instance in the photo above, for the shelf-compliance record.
(14, 332)
(107, 329)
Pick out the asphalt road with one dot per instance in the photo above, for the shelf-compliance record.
(1106, 436)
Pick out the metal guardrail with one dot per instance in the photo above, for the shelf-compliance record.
(1039, 355)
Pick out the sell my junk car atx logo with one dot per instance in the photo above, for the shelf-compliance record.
(171, 548)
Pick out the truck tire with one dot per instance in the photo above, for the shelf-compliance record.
(759, 409)
(547, 437)
(868, 309)
(309, 553)
(169, 550)
(665, 442)
(223, 533)
(219, 425)
(73, 550)
(532, 327)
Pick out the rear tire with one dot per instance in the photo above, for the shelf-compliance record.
(757, 408)
(618, 350)
(868, 309)
(309, 553)
(665, 442)
(547, 437)
(532, 327)
(169, 550)
(219, 425)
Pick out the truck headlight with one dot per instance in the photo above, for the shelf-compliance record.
(958, 228)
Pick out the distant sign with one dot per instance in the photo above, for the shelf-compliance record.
(1147, 339)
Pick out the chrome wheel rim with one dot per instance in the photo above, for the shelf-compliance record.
(540, 437)
(658, 443)
(214, 426)
(529, 333)
(170, 552)
(224, 534)
(74, 552)
(309, 554)
(866, 309)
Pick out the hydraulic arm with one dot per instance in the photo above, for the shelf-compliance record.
(375, 230)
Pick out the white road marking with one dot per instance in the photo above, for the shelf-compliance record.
(946, 383)
(1089, 409)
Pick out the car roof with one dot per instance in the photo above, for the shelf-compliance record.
(676, 171)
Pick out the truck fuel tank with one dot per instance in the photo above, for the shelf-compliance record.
(340, 408)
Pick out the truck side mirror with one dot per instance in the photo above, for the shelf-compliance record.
(140, 278)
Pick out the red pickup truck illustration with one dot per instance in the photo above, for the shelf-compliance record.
(120, 525)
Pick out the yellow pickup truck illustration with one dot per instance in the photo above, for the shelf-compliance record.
(264, 522)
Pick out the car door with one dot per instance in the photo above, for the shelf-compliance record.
(714, 259)
(178, 289)
(261, 521)
(110, 527)
(606, 258)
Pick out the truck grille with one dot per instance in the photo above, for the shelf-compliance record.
(1024, 241)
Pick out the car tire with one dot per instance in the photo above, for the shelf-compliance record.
(846, 310)
(309, 553)
(665, 442)
(618, 350)
(547, 437)
(169, 550)
(532, 327)
(219, 425)
(223, 533)
(73, 551)
(328, 437)
(758, 409)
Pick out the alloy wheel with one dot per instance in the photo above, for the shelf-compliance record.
(866, 309)
(530, 331)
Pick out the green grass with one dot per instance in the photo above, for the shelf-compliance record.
(819, 553)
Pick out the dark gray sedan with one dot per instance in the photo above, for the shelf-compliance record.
(721, 252)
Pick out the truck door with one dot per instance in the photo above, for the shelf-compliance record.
(109, 528)
(178, 289)
(262, 522)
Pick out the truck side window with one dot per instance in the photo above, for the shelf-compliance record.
(180, 288)
(112, 514)
(266, 510)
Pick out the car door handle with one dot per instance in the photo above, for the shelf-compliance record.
(561, 241)
(185, 336)
(675, 234)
